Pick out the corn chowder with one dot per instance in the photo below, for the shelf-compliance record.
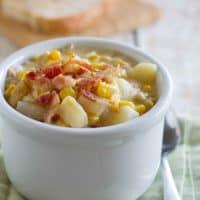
(72, 88)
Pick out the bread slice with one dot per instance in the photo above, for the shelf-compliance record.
(53, 16)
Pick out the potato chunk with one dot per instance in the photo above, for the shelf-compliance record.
(93, 107)
(124, 113)
(73, 113)
(125, 88)
(144, 72)
(31, 110)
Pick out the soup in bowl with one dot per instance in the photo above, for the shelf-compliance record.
(82, 87)
(84, 118)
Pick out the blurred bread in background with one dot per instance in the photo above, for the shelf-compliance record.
(54, 16)
(27, 21)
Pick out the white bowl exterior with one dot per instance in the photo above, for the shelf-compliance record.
(111, 163)
(110, 169)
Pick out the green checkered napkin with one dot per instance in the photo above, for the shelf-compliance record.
(184, 162)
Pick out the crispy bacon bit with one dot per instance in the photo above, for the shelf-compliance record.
(44, 99)
(82, 63)
(33, 75)
(89, 95)
(88, 83)
(48, 99)
(53, 71)
(81, 71)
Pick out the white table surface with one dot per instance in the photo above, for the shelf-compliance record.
(175, 40)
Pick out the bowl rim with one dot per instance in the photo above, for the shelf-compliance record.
(148, 119)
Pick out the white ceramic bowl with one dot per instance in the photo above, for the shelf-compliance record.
(118, 162)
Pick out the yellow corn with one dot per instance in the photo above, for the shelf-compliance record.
(140, 108)
(92, 56)
(67, 91)
(147, 88)
(9, 89)
(70, 54)
(120, 62)
(104, 90)
(21, 74)
(97, 65)
(55, 55)
(93, 119)
(127, 103)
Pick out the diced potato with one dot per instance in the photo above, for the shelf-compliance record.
(28, 98)
(93, 107)
(144, 72)
(31, 110)
(124, 113)
(126, 89)
(73, 113)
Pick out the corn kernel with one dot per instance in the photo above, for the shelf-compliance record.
(67, 91)
(50, 62)
(92, 56)
(97, 65)
(9, 89)
(55, 55)
(140, 108)
(93, 119)
(104, 90)
(147, 88)
(70, 54)
(21, 74)
(127, 103)
(120, 62)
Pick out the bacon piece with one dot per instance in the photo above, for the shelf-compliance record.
(44, 99)
(53, 71)
(82, 63)
(39, 86)
(50, 99)
(33, 75)
(81, 71)
(88, 83)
